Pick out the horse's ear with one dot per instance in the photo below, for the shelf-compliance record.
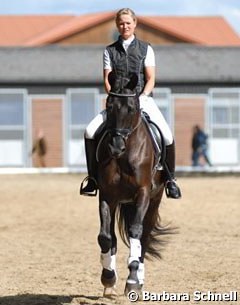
(133, 81)
(112, 78)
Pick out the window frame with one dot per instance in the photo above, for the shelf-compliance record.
(77, 127)
(19, 127)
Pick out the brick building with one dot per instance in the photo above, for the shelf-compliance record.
(51, 79)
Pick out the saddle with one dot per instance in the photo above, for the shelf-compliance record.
(157, 140)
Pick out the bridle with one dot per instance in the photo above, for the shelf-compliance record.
(123, 132)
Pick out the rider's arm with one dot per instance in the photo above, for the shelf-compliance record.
(106, 70)
(105, 78)
(150, 80)
(149, 64)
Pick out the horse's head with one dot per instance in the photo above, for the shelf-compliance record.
(123, 111)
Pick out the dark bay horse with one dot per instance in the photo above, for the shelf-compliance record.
(130, 187)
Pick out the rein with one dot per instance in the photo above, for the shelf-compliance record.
(126, 132)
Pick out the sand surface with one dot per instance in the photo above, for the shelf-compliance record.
(49, 253)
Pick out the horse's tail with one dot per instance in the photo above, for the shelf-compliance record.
(155, 235)
(125, 214)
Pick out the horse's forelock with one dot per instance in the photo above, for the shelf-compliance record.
(125, 97)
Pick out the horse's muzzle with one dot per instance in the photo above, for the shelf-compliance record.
(117, 146)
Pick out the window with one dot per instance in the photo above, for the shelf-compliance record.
(13, 127)
(224, 113)
(82, 106)
(224, 123)
(11, 109)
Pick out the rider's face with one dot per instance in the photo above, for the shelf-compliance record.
(126, 26)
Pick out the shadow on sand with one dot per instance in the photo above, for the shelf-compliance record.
(44, 299)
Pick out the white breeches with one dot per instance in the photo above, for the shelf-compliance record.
(94, 124)
(147, 105)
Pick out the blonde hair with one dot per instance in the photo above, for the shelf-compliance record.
(125, 11)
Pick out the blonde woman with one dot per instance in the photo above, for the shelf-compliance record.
(131, 55)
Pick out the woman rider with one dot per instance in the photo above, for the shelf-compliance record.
(131, 55)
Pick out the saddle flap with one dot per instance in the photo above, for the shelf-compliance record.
(157, 139)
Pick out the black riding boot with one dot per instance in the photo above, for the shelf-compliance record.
(91, 188)
(171, 188)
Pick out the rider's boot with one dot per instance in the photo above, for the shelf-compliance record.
(171, 188)
(91, 188)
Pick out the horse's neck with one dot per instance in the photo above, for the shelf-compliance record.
(139, 136)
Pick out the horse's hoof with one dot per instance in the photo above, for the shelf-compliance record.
(110, 292)
(137, 288)
(108, 278)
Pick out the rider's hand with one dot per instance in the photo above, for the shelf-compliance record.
(143, 98)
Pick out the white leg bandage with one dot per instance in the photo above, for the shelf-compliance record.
(140, 273)
(108, 261)
(135, 250)
(150, 107)
(113, 262)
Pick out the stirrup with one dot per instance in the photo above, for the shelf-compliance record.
(172, 190)
(90, 192)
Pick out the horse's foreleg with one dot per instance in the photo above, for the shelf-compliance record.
(134, 266)
(107, 242)
(135, 260)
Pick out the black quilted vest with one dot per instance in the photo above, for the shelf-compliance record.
(130, 61)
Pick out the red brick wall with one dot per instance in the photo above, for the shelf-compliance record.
(47, 115)
(189, 111)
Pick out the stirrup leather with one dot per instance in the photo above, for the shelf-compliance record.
(88, 193)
